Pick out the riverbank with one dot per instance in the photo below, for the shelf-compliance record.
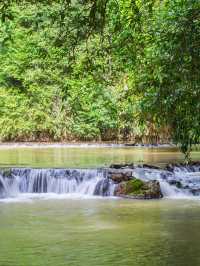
(82, 144)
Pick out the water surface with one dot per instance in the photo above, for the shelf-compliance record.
(86, 157)
(110, 232)
(70, 230)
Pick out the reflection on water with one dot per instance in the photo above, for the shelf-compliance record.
(100, 232)
(87, 157)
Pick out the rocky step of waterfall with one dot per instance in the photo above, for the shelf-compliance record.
(175, 180)
(129, 181)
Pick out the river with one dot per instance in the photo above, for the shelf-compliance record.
(88, 232)
(86, 156)
(79, 229)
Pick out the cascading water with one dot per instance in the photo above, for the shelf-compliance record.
(59, 181)
(177, 181)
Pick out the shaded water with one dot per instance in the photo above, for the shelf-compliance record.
(86, 157)
(100, 232)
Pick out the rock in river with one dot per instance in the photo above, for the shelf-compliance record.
(138, 189)
(120, 175)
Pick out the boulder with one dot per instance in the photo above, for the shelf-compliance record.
(195, 191)
(138, 189)
(119, 175)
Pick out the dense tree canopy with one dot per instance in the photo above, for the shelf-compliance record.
(170, 74)
(100, 69)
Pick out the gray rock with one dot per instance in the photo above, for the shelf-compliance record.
(119, 175)
(102, 187)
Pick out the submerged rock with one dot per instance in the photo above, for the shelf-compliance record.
(103, 187)
(122, 166)
(6, 172)
(190, 167)
(1, 186)
(176, 183)
(139, 189)
(130, 144)
(195, 191)
(2, 189)
(149, 166)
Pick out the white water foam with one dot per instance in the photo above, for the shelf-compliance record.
(187, 178)
(22, 184)
(55, 182)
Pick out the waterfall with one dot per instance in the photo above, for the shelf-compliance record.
(177, 181)
(59, 181)
(3, 187)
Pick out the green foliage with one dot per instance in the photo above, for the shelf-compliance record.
(100, 70)
(58, 77)
(169, 72)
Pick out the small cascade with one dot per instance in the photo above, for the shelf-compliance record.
(170, 191)
(3, 187)
(175, 181)
(105, 187)
(59, 181)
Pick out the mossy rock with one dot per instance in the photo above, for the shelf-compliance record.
(137, 188)
(134, 186)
